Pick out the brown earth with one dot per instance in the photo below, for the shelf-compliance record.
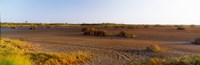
(110, 50)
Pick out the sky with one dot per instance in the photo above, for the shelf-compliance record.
(101, 11)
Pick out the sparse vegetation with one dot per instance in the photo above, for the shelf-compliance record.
(125, 34)
(87, 28)
(94, 32)
(32, 28)
(196, 41)
(49, 26)
(15, 52)
(154, 48)
(14, 27)
(180, 28)
(184, 60)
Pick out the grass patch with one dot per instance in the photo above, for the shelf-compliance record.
(15, 52)
(184, 60)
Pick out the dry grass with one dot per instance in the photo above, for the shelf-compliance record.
(94, 32)
(126, 35)
(154, 48)
(15, 52)
(184, 60)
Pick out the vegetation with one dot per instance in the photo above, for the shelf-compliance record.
(32, 28)
(180, 28)
(125, 34)
(15, 52)
(94, 32)
(154, 48)
(184, 60)
(197, 41)
(13, 27)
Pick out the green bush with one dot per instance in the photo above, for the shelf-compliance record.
(154, 48)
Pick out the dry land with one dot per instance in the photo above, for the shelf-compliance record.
(111, 49)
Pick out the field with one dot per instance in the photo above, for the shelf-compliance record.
(113, 48)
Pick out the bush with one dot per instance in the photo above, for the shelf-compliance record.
(192, 26)
(100, 33)
(154, 48)
(86, 29)
(94, 32)
(125, 34)
(89, 32)
(49, 26)
(32, 28)
(180, 28)
(197, 41)
(14, 27)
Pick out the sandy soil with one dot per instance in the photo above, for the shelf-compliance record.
(110, 50)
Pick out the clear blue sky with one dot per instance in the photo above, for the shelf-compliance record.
(99, 11)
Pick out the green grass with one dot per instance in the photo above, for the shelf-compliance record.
(15, 52)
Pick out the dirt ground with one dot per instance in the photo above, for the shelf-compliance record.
(110, 50)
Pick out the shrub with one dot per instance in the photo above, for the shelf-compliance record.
(32, 28)
(89, 32)
(180, 28)
(125, 34)
(130, 27)
(94, 32)
(197, 41)
(192, 26)
(49, 26)
(100, 33)
(122, 33)
(14, 27)
(146, 26)
(86, 29)
(154, 48)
